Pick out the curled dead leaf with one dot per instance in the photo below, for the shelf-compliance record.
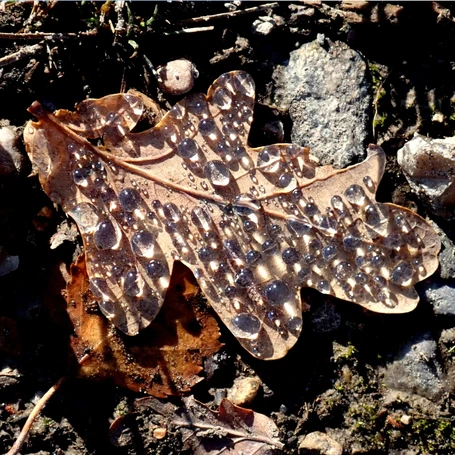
(164, 360)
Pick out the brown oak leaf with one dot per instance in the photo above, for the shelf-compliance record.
(164, 360)
(231, 430)
(253, 225)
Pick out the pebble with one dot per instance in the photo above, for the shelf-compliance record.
(318, 443)
(429, 167)
(416, 369)
(244, 390)
(442, 296)
(12, 161)
(177, 76)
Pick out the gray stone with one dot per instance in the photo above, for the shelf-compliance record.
(429, 167)
(442, 296)
(416, 369)
(319, 443)
(325, 89)
(12, 161)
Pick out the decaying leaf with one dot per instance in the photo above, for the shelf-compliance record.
(164, 360)
(231, 430)
(253, 225)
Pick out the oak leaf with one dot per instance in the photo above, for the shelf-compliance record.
(231, 430)
(253, 225)
(164, 360)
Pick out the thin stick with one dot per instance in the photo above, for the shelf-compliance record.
(238, 12)
(33, 415)
(38, 408)
(43, 35)
(26, 51)
(190, 30)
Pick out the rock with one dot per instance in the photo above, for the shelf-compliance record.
(8, 263)
(319, 443)
(12, 161)
(263, 25)
(329, 110)
(244, 390)
(177, 77)
(429, 167)
(442, 296)
(416, 369)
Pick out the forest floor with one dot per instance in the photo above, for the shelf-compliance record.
(331, 381)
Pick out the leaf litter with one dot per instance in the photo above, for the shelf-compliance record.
(232, 429)
(253, 225)
(165, 360)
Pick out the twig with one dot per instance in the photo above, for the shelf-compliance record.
(228, 14)
(25, 52)
(38, 408)
(190, 30)
(45, 35)
(31, 418)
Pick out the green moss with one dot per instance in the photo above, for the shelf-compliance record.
(435, 435)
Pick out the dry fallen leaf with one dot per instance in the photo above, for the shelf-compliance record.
(231, 430)
(164, 360)
(253, 225)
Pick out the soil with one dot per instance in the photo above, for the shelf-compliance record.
(331, 381)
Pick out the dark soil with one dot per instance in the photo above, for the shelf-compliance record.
(331, 379)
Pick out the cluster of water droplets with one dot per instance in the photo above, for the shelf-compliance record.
(251, 250)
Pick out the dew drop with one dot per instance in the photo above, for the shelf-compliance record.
(246, 325)
(392, 241)
(372, 216)
(342, 271)
(249, 226)
(310, 209)
(80, 177)
(233, 249)
(294, 324)
(171, 212)
(107, 235)
(329, 252)
(129, 199)
(217, 173)
(338, 205)
(361, 278)
(351, 243)
(252, 257)
(207, 126)
(143, 243)
(222, 98)
(99, 288)
(297, 227)
(201, 218)
(368, 181)
(270, 247)
(323, 286)
(244, 84)
(377, 260)
(285, 180)
(187, 149)
(293, 150)
(207, 254)
(277, 293)
(85, 216)
(177, 112)
(132, 283)
(156, 269)
(401, 273)
(290, 256)
(355, 195)
(244, 278)
(303, 274)
(269, 159)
